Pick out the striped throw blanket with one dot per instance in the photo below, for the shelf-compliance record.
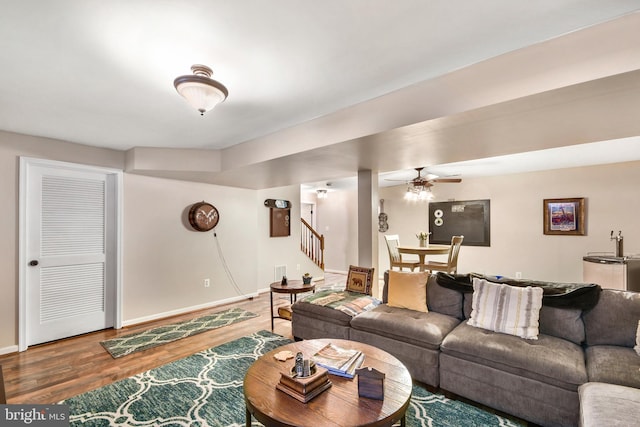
(351, 303)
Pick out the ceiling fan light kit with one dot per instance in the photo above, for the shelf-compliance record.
(200, 90)
(419, 188)
(418, 193)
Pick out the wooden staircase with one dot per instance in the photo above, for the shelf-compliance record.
(312, 243)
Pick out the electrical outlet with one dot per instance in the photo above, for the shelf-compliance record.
(518, 275)
(207, 283)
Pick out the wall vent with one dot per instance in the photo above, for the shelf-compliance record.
(279, 271)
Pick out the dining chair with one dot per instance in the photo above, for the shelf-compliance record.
(451, 266)
(395, 257)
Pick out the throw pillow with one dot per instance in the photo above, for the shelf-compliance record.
(408, 290)
(637, 347)
(507, 309)
(360, 279)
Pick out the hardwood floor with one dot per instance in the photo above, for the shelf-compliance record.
(51, 372)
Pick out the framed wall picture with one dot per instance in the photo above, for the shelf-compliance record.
(564, 216)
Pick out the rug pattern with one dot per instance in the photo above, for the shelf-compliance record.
(205, 389)
(131, 343)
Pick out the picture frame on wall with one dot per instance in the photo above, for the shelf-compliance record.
(564, 217)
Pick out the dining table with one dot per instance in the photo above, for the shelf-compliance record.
(423, 251)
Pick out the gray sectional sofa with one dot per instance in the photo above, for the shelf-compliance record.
(536, 380)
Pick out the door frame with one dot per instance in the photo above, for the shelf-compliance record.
(25, 164)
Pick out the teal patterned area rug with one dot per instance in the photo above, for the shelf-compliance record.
(205, 389)
(128, 344)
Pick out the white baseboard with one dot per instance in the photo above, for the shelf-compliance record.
(336, 271)
(10, 349)
(184, 310)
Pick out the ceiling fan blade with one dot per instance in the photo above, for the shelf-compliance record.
(447, 180)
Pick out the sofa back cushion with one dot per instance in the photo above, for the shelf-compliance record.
(444, 300)
(614, 320)
(565, 323)
(439, 299)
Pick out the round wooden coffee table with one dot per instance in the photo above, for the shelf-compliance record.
(340, 405)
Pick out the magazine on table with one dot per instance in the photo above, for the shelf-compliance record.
(339, 361)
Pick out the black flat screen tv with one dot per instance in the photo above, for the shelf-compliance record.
(468, 218)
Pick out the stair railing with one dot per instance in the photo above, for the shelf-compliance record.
(312, 243)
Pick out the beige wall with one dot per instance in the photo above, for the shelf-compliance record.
(273, 251)
(337, 217)
(164, 261)
(517, 241)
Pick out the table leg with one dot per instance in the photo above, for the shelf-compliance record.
(403, 421)
(421, 260)
(247, 417)
(271, 299)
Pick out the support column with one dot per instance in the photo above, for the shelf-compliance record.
(368, 222)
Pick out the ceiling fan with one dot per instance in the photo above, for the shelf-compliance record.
(419, 188)
(423, 181)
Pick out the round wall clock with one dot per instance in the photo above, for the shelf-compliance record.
(203, 216)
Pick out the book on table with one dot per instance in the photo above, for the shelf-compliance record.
(339, 361)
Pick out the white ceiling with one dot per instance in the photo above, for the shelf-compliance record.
(101, 72)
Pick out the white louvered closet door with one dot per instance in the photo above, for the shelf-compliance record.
(70, 287)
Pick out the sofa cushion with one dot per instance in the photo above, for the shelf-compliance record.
(443, 300)
(613, 364)
(608, 405)
(614, 320)
(504, 308)
(401, 324)
(563, 323)
(408, 290)
(548, 359)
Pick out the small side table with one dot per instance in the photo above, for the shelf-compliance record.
(293, 288)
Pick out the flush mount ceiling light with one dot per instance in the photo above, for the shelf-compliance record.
(322, 194)
(200, 90)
